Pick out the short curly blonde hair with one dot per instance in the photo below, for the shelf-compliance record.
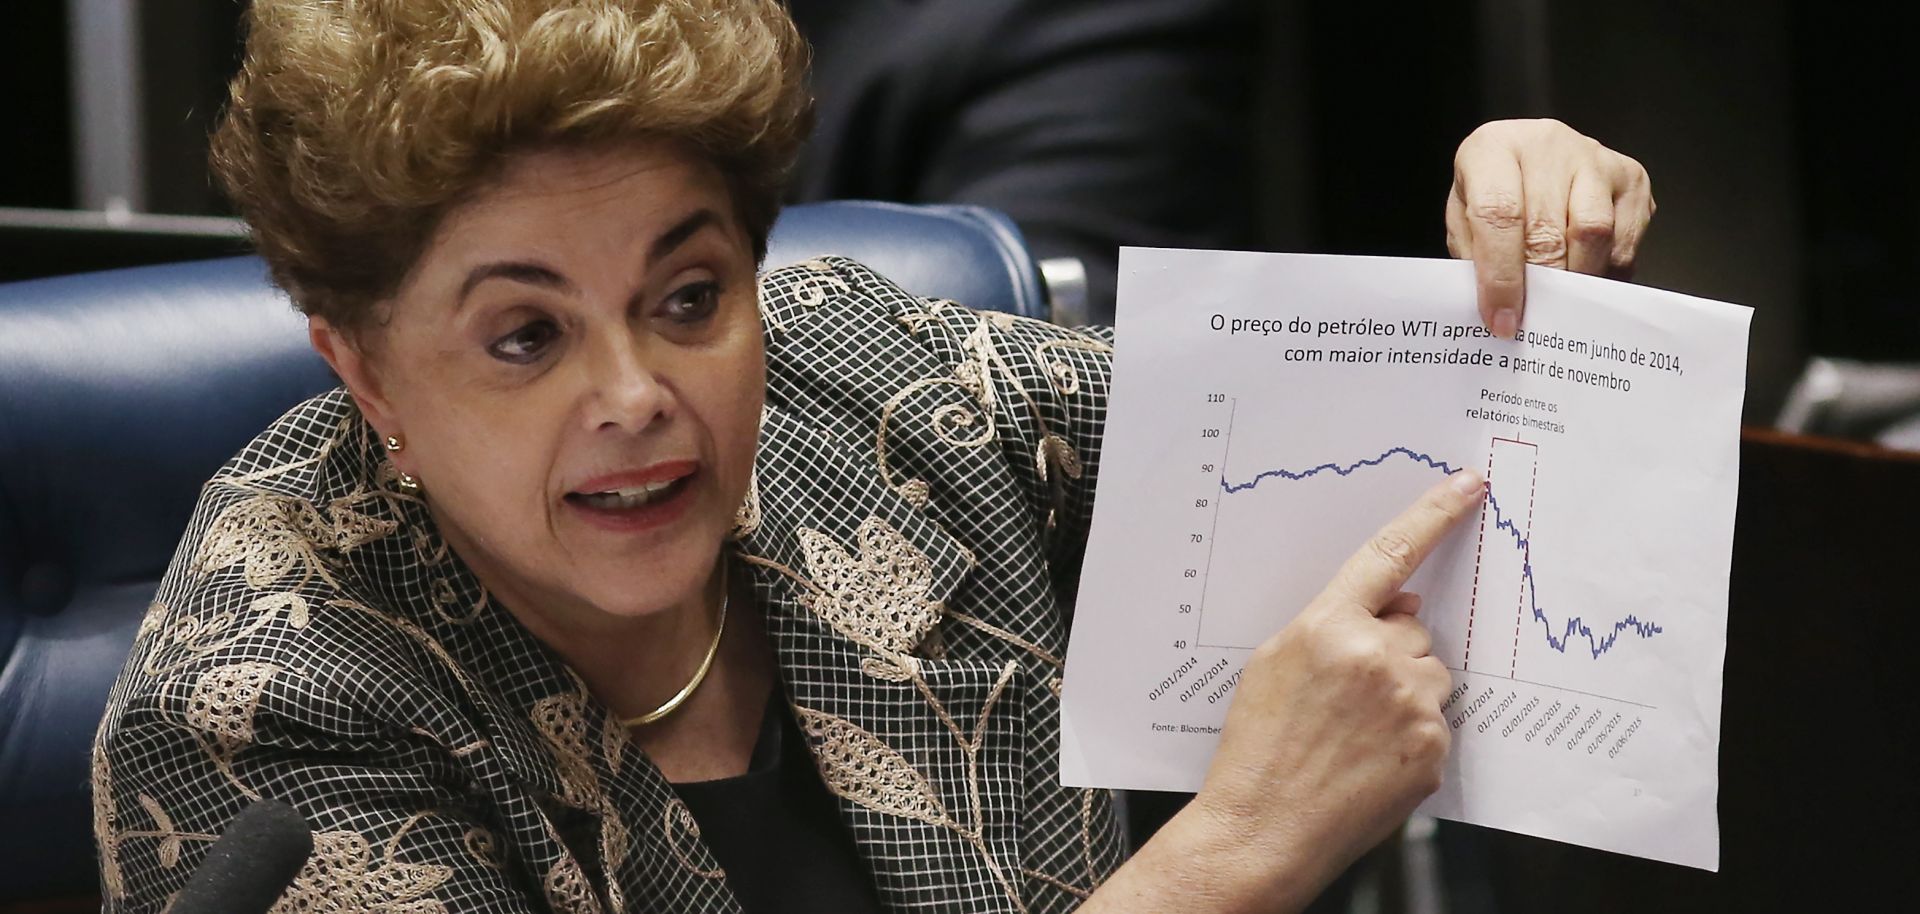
(354, 126)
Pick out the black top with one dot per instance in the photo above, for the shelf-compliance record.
(777, 831)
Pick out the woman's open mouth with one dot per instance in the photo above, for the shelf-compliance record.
(631, 496)
(636, 501)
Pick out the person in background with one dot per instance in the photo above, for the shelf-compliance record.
(1091, 123)
(1101, 123)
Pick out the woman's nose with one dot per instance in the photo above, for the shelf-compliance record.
(627, 392)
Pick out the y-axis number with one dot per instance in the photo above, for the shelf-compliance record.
(1226, 447)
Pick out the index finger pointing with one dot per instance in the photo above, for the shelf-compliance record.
(1373, 576)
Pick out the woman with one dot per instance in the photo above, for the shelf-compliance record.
(609, 583)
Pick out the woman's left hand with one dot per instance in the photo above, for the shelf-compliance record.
(1541, 192)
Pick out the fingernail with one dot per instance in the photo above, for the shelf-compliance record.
(1505, 323)
(1468, 484)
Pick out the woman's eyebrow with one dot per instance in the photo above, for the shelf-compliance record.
(532, 273)
(535, 273)
(681, 231)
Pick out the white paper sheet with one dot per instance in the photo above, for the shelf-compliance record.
(1270, 411)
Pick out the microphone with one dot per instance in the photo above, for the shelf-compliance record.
(250, 864)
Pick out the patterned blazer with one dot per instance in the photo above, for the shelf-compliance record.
(922, 488)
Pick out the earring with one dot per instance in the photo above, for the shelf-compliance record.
(407, 482)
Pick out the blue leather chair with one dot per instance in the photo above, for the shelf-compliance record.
(121, 392)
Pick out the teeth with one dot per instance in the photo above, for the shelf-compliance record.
(629, 496)
(641, 491)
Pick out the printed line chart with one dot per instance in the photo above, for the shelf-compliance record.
(1505, 518)
(1506, 525)
(1271, 412)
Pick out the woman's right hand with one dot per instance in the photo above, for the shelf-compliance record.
(1335, 733)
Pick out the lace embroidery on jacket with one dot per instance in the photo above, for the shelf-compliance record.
(352, 529)
(103, 826)
(681, 831)
(221, 708)
(613, 742)
(615, 842)
(267, 536)
(342, 876)
(972, 424)
(855, 764)
(186, 637)
(567, 888)
(482, 846)
(1060, 372)
(562, 722)
(172, 840)
(878, 598)
(810, 289)
(746, 520)
(153, 620)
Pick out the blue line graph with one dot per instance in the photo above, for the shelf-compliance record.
(1598, 643)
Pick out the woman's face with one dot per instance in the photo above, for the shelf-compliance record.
(576, 369)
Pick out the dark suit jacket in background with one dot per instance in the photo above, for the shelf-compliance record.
(1093, 123)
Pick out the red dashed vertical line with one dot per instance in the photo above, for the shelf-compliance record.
(1526, 558)
(1467, 656)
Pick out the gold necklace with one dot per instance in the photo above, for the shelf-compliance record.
(699, 675)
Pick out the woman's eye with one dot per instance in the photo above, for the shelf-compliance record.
(525, 344)
(693, 302)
